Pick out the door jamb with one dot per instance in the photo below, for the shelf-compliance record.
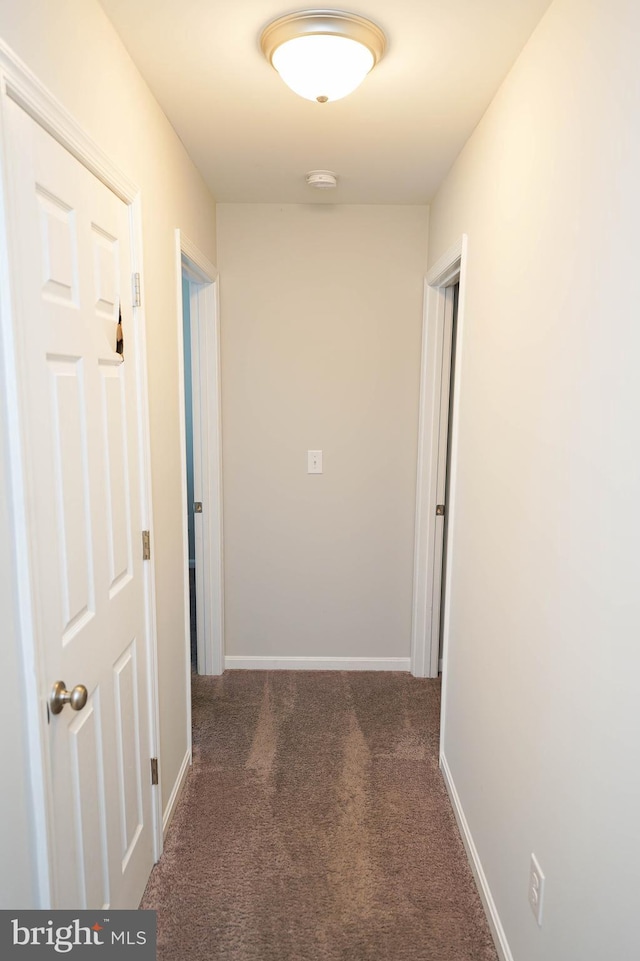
(20, 84)
(448, 270)
(207, 444)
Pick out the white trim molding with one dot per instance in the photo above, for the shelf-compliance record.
(317, 663)
(207, 270)
(176, 791)
(488, 903)
(426, 580)
(20, 84)
(446, 269)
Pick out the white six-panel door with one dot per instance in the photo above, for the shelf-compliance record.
(80, 424)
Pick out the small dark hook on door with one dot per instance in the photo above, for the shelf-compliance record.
(119, 334)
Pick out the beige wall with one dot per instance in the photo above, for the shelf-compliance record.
(542, 718)
(73, 49)
(321, 310)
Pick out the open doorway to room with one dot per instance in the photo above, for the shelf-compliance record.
(447, 394)
(439, 401)
(202, 479)
(191, 502)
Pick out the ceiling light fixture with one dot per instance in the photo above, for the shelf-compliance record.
(323, 54)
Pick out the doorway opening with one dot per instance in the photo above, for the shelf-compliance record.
(446, 404)
(437, 457)
(188, 430)
(199, 351)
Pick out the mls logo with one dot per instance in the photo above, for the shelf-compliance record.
(38, 934)
(62, 938)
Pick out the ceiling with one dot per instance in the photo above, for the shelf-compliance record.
(391, 141)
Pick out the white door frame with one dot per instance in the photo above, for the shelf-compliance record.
(19, 84)
(207, 456)
(449, 270)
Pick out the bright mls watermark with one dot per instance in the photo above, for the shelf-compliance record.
(79, 934)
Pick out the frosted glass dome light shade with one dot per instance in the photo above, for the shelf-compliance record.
(323, 68)
(323, 55)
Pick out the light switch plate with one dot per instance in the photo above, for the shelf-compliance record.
(314, 462)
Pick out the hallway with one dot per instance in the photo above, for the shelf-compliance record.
(315, 826)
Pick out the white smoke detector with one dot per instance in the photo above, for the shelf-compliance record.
(321, 179)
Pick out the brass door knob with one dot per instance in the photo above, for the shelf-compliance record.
(60, 696)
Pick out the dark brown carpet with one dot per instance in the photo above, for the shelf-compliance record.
(315, 826)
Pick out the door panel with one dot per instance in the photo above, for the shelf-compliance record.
(128, 725)
(80, 424)
(71, 487)
(84, 736)
(114, 417)
(58, 248)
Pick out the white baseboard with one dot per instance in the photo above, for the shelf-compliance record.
(176, 792)
(489, 905)
(318, 663)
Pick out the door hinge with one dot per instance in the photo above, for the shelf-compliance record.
(154, 770)
(146, 546)
(135, 283)
(439, 510)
